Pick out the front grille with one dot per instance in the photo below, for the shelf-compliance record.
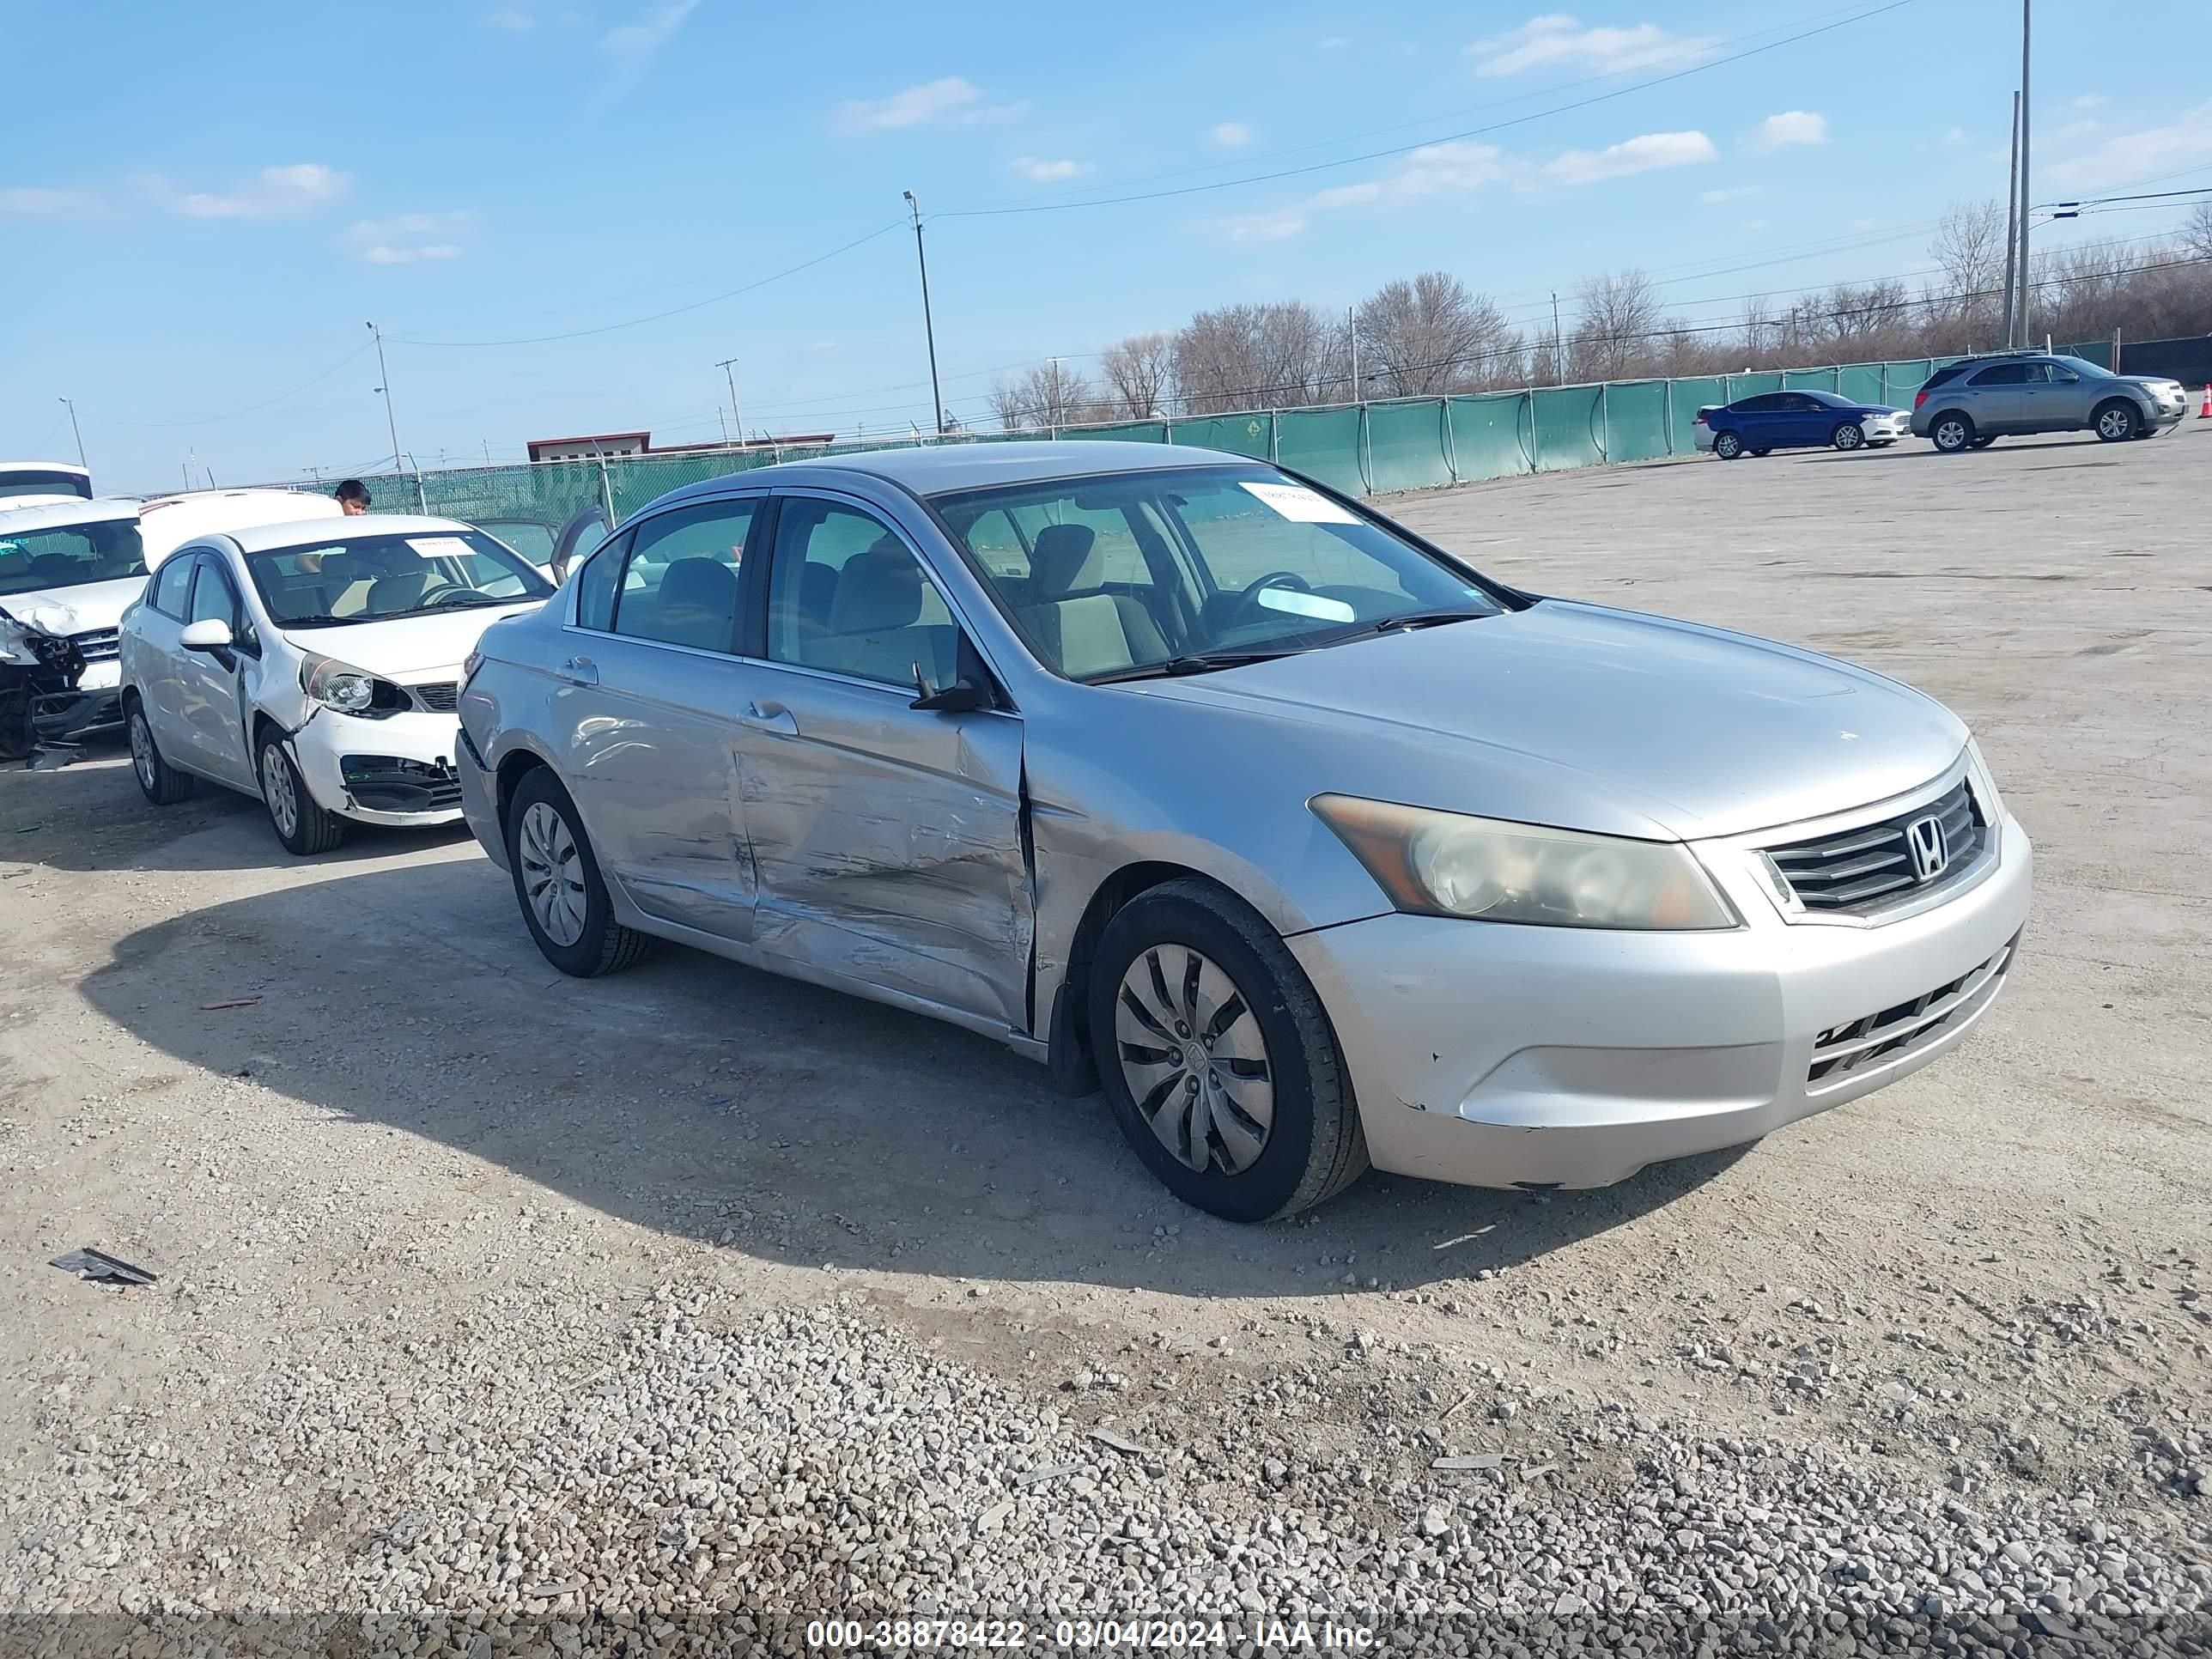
(390, 783)
(1857, 869)
(1846, 1052)
(441, 698)
(98, 644)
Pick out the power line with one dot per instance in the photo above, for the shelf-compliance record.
(1403, 150)
(255, 409)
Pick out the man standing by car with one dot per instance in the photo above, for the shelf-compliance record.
(352, 498)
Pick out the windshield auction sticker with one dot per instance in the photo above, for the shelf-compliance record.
(1300, 505)
(441, 547)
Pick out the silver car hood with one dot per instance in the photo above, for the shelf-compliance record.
(1588, 718)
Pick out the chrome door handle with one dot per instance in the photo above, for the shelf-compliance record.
(770, 717)
(580, 671)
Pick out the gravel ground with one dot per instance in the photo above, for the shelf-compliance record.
(500, 1313)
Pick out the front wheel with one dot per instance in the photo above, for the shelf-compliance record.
(1954, 434)
(1218, 1057)
(158, 780)
(1728, 446)
(304, 827)
(1982, 443)
(1849, 435)
(557, 882)
(2118, 422)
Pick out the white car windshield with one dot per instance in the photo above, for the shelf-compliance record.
(1184, 569)
(375, 578)
(70, 556)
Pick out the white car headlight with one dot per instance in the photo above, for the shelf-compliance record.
(348, 689)
(1450, 864)
(1984, 782)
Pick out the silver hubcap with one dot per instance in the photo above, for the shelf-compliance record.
(552, 874)
(276, 790)
(142, 752)
(1193, 1058)
(1951, 436)
(1728, 446)
(1849, 438)
(2114, 424)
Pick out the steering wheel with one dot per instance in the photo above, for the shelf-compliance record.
(447, 595)
(1248, 602)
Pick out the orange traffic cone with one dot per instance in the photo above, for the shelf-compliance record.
(2205, 413)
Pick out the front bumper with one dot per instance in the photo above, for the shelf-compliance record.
(480, 802)
(1498, 1055)
(1886, 428)
(398, 770)
(94, 705)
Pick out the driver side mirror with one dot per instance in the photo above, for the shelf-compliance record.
(211, 635)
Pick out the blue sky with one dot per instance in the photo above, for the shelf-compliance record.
(203, 206)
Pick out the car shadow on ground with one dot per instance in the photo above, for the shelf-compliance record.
(768, 1116)
(1926, 452)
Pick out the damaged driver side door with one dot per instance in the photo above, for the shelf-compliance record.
(887, 839)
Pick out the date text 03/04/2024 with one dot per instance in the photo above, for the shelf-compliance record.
(1089, 1635)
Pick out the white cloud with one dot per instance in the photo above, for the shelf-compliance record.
(951, 98)
(1433, 170)
(1336, 43)
(38, 203)
(2070, 131)
(2089, 100)
(1231, 135)
(510, 20)
(1733, 193)
(1558, 40)
(1793, 126)
(1277, 226)
(2181, 144)
(1039, 172)
(632, 48)
(282, 192)
(408, 238)
(1646, 153)
(1955, 136)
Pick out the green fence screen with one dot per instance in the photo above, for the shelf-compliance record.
(1409, 443)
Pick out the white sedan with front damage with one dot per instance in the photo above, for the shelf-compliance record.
(315, 667)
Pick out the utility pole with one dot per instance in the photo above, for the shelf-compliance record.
(2012, 236)
(384, 375)
(2026, 285)
(928, 328)
(1559, 369)
(1351, 331)
(730, 375)
(79, 431)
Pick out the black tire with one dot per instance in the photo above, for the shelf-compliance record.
(1848, 436)
(2116, 421)
(1313, 1147)
(602, 944)
(1728, 446)
(1762, 454)
(304, 828)
(1952, 433)
(159, 782)
(1983, 443)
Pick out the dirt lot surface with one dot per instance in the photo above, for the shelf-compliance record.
(659, 1308)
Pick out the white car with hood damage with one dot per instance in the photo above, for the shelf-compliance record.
(317, 667)
(69, 570)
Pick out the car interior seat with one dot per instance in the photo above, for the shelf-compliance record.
(885, 620)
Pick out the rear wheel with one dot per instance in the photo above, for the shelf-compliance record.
(1728, 446)
(2118, 422)
(1954, 434)
(557, 883)
(304, 828)
(1218, 1059)
(1762, 454)
(1849, 435)
(161, 783)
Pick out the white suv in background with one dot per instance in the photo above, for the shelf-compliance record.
(317, 666)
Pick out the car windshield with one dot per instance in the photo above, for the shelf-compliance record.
(375, 578)
(1186, 568)
(20, 481)
(70, 556)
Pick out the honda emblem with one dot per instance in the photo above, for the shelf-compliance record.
(1923, 838)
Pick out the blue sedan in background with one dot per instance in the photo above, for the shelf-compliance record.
(1797, 420)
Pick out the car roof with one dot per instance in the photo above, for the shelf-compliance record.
(50, 515)
(322, 532)
(69, 467)
(941, 469)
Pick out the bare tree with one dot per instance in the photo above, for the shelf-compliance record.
(1141, 371)
(1049, 395)
(1618, 320)
(1251, 356)
(2197, 231)
(1430, 335)
(1970, 247)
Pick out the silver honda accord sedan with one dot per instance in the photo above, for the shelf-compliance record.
(1309, 844)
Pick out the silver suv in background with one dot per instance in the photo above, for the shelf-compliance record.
(1971, 403)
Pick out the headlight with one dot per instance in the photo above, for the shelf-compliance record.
(1984, 782)
(348, 689)
(1448, 864)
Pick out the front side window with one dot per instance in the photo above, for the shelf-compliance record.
(2003, 374)
(1140, 570)
(679, 581)
(377, 578)
(70, 556)
(212, 597)
(847, 595)
(173, 587)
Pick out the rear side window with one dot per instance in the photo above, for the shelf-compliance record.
(1766, 404)
(2005, 374)
(1944, 375)
(679, 583)
(172, 583)
(596, 585)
